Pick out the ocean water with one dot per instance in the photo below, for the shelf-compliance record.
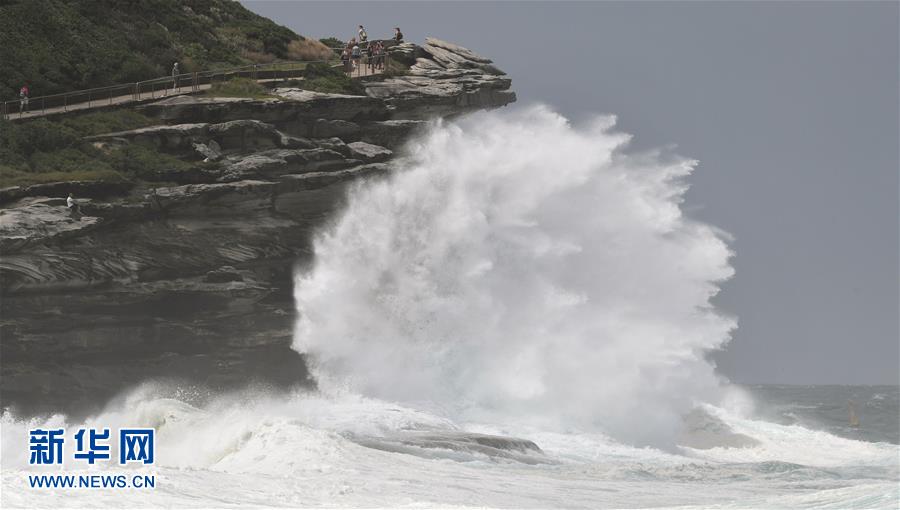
(519, 317)
(343, 450)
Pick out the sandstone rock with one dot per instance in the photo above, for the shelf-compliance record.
(174, 137)
(275, 162)
(433, 43)
(223, 274)
(293, 142)
(290, 105)
(369, 152)
(316, 180)
(390, 133)
(245, 134)
(405, 53)
(38, 221)
(418, 97)
(90, 189)
(325, 128)
(210, 151)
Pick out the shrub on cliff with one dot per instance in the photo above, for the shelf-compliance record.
(332, 42)
(42, 150)
(145, 163)
(105, 122)
(238, 87)
(321, 77)
(309, 49)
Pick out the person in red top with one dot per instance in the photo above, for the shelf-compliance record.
(23, 98)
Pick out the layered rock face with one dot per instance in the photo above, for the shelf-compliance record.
(190, 280)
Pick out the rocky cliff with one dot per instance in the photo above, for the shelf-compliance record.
(190, 279)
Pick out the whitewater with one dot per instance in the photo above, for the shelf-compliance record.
(518, 316)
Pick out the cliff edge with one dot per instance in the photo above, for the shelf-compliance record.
(186, 276)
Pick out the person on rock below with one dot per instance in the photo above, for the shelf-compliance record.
(72, 204)
(398, 35)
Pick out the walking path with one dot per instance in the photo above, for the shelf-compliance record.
(36, 109)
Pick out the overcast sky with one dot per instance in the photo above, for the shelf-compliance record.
(792, 110)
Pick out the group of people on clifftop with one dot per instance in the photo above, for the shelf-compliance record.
(371, 53)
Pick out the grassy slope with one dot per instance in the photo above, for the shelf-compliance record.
(42, 150)
(62, 45)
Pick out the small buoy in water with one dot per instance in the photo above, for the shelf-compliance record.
(854, 420)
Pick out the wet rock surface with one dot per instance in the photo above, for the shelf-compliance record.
(190, 279)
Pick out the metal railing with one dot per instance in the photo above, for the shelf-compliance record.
(165, 86)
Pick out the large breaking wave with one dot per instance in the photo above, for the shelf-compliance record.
(518, 267)
(517, 279)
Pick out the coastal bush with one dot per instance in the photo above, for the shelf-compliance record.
(13, 177)
(309, 49)
(332, 42)
(41, 150)
(145, 163)
(320, 77)
(238, 87)
(98, 123)
(40, 135)
(65, 160)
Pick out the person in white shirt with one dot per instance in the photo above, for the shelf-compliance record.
(363, 36)
(72, 204)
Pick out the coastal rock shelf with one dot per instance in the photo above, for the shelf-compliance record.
(187, 277)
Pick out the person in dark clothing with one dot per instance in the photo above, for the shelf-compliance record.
(398, 35)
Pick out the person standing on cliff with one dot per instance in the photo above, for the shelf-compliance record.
(345, 60)
(398, 35)
(363, 36)
(175, 75)
(355, 55)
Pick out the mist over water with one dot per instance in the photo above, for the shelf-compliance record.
(518, 268)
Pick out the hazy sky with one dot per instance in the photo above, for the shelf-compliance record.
(792, 110)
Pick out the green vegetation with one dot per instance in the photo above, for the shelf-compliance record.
(42, 150)
(12, 177)
(239, 87)
(62, 45)
(145, 163)
(105, 122)
(326, 78)
(332, 42)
